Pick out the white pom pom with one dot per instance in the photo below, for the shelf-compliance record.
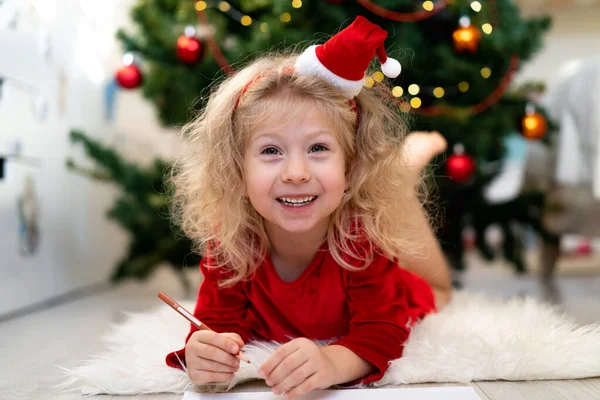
(391, 68)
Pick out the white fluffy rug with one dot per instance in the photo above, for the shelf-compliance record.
(474, 338)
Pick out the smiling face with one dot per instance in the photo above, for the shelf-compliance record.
(295, 171)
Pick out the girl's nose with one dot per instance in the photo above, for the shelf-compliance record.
(296, 170)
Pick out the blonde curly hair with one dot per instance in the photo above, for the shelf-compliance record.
(209, 190)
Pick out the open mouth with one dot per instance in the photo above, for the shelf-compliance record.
(288, 201)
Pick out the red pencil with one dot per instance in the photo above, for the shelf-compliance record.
(195, 321)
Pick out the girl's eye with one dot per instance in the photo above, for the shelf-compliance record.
(270, 151)
(318, 147)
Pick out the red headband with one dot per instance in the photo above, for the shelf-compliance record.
(290, 71)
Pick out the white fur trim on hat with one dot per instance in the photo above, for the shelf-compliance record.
(391, 68)
(308, 63)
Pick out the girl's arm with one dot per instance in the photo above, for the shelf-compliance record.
(348, 366)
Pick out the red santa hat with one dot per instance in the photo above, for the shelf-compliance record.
(344, 58)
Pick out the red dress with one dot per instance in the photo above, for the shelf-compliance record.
(367, 311)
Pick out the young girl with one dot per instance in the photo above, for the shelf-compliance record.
(297, 193)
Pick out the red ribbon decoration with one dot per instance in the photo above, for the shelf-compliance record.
(400, 16)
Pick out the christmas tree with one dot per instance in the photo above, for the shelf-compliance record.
(458, 61)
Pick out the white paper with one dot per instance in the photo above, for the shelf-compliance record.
(429, 393)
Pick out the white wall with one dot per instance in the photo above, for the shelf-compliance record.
(78, 246)
(575, 34)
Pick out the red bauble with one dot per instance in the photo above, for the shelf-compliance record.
(129, 76)
(460, 167)
(189, 49)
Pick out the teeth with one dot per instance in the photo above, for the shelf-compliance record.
(297, 201)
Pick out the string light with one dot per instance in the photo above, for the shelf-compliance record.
(285, 17)
(224, 6)
(378, 76)
(201, 6)
(415, 102)
(246, 20)
(414, 89)
(397, 91)
(231, 12)
(476, 6)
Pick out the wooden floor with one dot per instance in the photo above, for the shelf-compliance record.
(31, 346)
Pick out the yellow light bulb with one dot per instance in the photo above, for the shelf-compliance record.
(405, 107)
(487, 28)
(414, 89)
(439, 92)
(201, 6)
(428, 5)
(476, 6)
(246, 20)
(264, 27)
(224, 6)
(463, 86)
(297, 3)
(415, 102)
(397, 91)
(486, 72)
(369, 82)
(378, 76)
(285, 17)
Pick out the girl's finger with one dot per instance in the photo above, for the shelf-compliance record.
(276, 358)
(214, 353)
(294, 378)
(309, 384)
(235, 337)
(223, 342)
(211, 365)
(219, 340)
(287, 367)
(201, 377)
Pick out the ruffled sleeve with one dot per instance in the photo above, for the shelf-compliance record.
(221, 309)
(384, 300)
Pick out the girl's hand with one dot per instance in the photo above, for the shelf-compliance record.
(210, 356)
(298, 367)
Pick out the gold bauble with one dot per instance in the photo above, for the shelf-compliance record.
(534, 126)
(466, 39)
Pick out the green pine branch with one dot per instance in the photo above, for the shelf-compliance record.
(141, 209)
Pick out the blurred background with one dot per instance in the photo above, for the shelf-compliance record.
(92, 94)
